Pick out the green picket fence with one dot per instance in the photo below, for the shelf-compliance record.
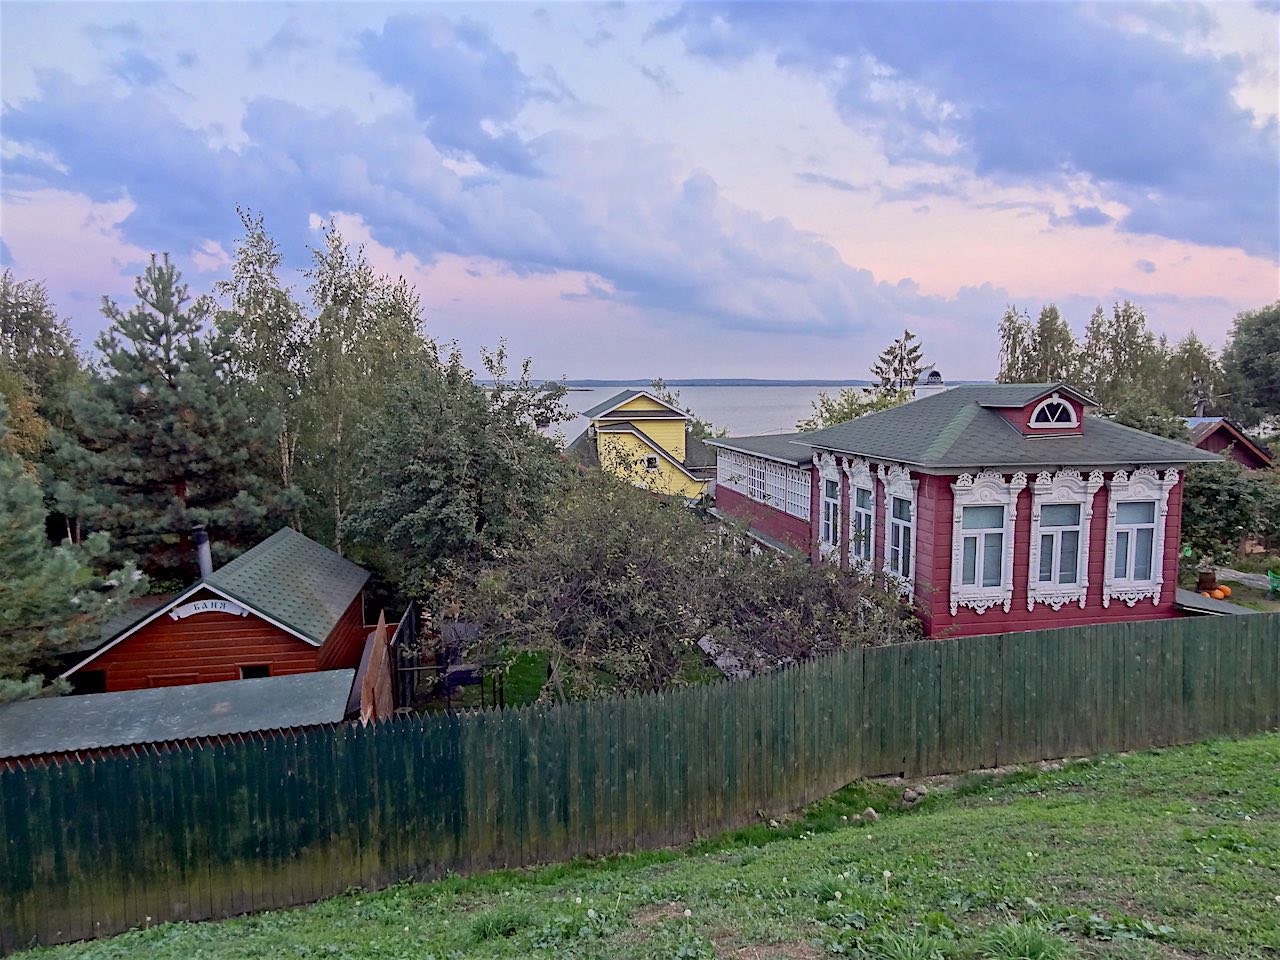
(96, 847)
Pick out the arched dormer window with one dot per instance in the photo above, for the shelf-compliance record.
(1053, 413)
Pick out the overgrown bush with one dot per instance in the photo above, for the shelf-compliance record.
(618, 585)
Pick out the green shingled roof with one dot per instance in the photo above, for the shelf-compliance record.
(961, 429)
(294, 580)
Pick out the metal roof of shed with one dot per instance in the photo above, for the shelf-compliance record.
(162, 714)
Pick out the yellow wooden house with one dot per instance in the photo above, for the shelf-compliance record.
(645, 441)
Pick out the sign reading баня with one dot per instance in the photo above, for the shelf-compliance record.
(208, 606)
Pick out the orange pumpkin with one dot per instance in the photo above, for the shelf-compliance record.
(1218, 594)
(1226, 591)
(1204, 593)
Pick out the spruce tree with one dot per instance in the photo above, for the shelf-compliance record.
(50, 601)
(899, 365)
(161, 442)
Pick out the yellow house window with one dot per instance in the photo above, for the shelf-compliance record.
(651, 463)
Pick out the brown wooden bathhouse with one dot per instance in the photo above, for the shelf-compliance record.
(288, 605)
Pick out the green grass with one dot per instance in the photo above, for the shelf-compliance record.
(1252, 597)
(1165, 854)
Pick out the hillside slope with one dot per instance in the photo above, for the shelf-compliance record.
(1171, 853)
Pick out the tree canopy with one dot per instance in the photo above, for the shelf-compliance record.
(50, 600)
(617, 586)
(160, 442)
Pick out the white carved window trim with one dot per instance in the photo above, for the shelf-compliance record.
(1057, 425)
(828, 469)
(898, 483)
(1065, 486)
(985, 490)
(1143, 484)
(858, 473)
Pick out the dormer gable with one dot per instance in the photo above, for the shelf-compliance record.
(634, 405)
(1057, 411)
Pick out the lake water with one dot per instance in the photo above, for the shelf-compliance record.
(743, 411)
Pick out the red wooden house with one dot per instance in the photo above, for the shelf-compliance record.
(992, 508)
(1220, 435)
(288, 605)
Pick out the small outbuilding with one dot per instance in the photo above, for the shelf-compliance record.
(288, 605)
(57, 727)
(1222, 436)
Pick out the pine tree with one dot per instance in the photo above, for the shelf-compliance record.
(899, 365)
(50, 601)
(161, 442)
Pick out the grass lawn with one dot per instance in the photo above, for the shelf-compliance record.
(1251, 597)
(1166, 854)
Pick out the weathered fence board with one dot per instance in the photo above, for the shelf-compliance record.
(93, 847)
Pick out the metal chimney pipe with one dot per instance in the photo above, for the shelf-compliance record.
(201, 537)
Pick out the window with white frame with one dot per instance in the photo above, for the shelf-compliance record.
(1059, 544)
(1058, 562)
(982, 546)
(863, 524)
(799, 493)
(831, 513)
(985, 508)
(901, 537)
(755, 479)
(1135, 537)
(899, 527)
(1136, 514)
(778, 485)
(651, 463)
(828, 504)
(1053, 413)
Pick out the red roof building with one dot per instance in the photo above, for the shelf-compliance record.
(1222, 436)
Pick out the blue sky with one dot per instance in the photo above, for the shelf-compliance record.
(640, 190)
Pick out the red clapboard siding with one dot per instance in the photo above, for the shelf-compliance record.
(776, 523)
(206, 646)
(968, 622)
(345, 644)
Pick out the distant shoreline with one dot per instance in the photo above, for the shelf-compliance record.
(722, 382)
(728, 382)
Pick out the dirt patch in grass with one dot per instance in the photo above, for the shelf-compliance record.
(653, 913)
(775, 951)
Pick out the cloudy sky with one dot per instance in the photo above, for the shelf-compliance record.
(641, 190)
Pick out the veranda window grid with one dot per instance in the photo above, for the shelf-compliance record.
(780, 486)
